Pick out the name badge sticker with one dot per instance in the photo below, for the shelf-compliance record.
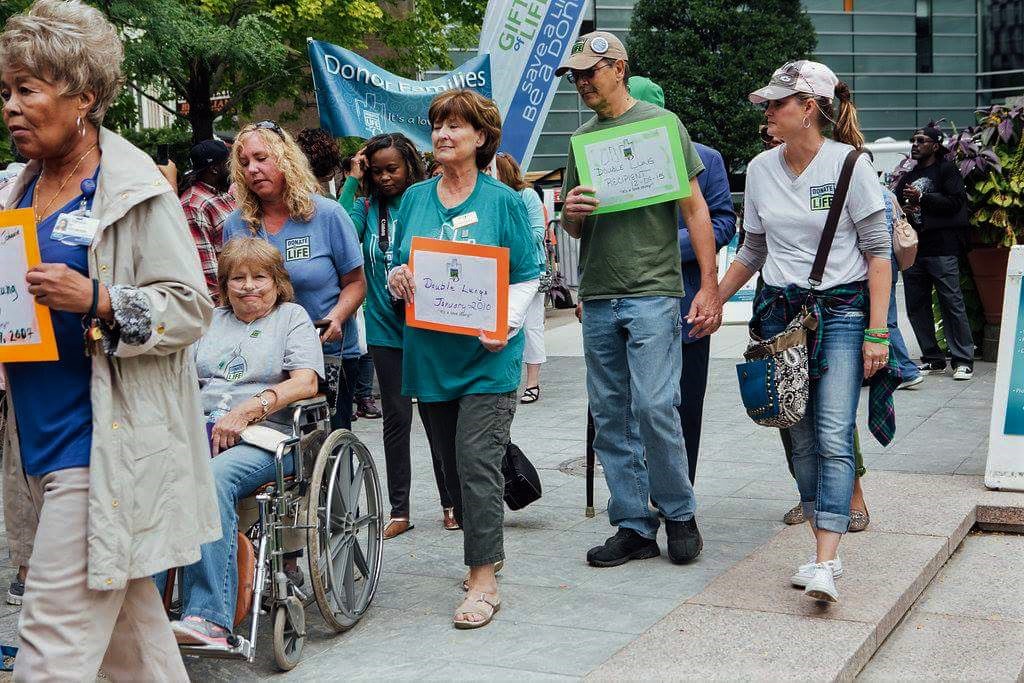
(465, 220)
(75, 229)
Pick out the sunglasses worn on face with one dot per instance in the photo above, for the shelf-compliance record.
(588, 74)
(921, 139)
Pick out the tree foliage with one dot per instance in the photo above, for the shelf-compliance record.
(254, 51)
(708, 55)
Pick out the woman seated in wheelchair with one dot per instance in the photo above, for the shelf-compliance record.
(260, 354)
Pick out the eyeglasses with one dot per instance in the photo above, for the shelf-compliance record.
(268, 125)
(576, 74)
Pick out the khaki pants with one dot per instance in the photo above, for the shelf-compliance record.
(67, 631)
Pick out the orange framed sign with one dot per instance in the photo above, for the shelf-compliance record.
(461, 288)
(26, 331)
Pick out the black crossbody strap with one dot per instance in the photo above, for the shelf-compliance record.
(832, 221)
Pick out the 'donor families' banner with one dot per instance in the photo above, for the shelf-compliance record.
(1005, 466)
(26, 331)
(461, 288)
(634, 165)
(358, 98)
(527, 40)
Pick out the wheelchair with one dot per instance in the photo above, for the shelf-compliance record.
(330, 508)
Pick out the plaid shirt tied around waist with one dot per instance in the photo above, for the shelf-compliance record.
(794, 299)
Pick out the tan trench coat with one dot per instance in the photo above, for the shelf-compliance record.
(151, 499)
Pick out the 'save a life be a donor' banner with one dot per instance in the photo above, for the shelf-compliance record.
(358, 98)
(527, 40)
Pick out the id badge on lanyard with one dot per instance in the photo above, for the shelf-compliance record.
(79, 227)
(384, 233)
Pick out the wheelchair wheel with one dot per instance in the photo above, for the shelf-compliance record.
(288, 642)
(346, 520)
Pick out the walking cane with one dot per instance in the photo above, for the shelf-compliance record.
(590, 463)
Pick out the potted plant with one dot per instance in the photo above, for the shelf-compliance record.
(990, 156)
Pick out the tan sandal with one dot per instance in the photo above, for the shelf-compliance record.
(482, 604)
(497, 568)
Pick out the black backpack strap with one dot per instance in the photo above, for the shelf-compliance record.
(832, 221)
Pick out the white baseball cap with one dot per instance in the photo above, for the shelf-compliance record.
(812, 78)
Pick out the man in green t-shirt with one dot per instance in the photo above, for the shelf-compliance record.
(631, 284)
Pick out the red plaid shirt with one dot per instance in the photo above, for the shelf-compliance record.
(206, 209)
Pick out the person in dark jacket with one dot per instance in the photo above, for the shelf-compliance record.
(714, 185)
(935, 201)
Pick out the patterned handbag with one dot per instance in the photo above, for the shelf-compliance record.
(775, 380)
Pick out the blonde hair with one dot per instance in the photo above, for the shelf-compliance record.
(69, 42)
(845, 124)
(259, 255)
(299, 182)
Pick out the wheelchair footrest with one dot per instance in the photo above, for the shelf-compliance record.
(243, 650)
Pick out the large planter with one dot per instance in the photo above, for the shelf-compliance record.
(988, 265)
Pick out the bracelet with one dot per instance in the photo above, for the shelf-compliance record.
(95, 299)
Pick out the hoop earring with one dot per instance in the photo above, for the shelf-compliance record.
(81, 126)
(807, 122)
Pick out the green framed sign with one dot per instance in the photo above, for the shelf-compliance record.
(633, 165)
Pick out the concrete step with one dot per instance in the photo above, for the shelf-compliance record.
(750, 624)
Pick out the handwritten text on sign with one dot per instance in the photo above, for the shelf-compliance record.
(461, 288)
(26, 332)
(634, 164)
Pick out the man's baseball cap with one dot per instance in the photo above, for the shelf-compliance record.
(590, 49)
(812, 78)
(206, 154)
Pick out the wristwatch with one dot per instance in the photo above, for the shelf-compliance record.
(264, 403)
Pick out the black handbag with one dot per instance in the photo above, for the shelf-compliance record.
(522, 483)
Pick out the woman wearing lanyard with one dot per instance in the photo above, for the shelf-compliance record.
(383, 170)
(788, 194)
(467, 385)
(107, 442)
(279, 201)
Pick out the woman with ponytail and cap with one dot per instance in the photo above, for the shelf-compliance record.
(788, 194)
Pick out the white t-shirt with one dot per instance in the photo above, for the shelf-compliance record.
(791, 213)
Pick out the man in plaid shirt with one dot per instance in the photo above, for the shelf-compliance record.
(206, 204)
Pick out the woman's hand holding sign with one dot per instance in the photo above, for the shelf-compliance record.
(401, 282)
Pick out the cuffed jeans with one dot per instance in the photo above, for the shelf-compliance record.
(209, 588)
(942, 273)
(823, 441)
(397, 411)
(898, 347)
(471, 434)
(633, 355)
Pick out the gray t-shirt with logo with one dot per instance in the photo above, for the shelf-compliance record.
(235, 360)
(790, 211)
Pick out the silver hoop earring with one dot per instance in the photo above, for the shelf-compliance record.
(807, 122)
(81, 126)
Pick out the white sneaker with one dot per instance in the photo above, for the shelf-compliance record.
(963, 372)
(911, 383)
(822, 586)
(805, 572)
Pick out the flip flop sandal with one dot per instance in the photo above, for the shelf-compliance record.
(449, 522)
(531, 395)
(497, 568)
(481, 604)
(397, 527)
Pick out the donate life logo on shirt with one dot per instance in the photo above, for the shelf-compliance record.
(358, 98)
(821, 196)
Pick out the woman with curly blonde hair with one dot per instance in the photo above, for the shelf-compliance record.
(279, 201)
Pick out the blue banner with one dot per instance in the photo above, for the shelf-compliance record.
(357, 98)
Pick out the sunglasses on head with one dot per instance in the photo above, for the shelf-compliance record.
(576, 74)
(269, 125)
(920, 139)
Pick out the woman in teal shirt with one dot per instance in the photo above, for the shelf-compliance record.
(467, 385)
(381, 172)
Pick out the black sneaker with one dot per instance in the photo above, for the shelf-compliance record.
(624, 546)
(932, 368)
(16, 593)
(684, 541)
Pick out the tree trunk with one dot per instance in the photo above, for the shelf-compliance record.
(200, 113)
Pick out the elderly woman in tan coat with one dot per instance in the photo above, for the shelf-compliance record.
(107, 442)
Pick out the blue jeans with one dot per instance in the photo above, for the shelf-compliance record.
(898, 347)
(209, 588)
(633, 355)
(823, 446)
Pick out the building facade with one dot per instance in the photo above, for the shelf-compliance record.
(906, 61)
